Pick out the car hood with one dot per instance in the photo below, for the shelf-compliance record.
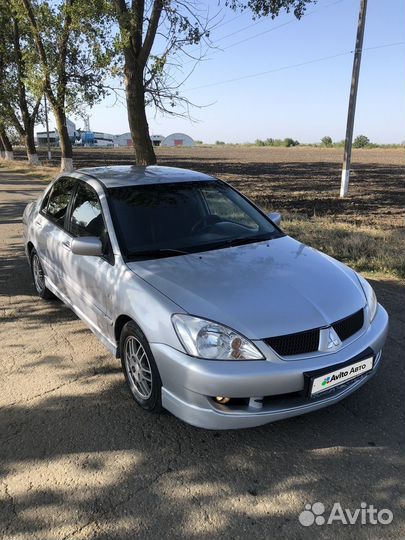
(263, 289)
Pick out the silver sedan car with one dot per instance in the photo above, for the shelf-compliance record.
(217, 315)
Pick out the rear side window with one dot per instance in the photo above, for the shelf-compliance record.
(59, 200)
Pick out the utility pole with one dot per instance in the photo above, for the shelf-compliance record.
(47, 130)
(344, 187)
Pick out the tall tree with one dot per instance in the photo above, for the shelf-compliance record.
(71, 41)
(6, 143)
(146, 73)
(172, 25)
(17, 102)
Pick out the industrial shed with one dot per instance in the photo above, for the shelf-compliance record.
(123, 140)
(178, 139)
(156, 139)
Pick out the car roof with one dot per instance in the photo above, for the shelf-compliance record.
(131, 175)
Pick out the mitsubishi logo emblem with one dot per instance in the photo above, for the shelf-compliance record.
(333, 339)
(328, 340)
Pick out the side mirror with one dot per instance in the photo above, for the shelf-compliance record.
(87, 245)
(275, 218)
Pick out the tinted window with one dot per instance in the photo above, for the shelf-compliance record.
(45, 201)
(188, 216)
(59, 200)
(86, 217)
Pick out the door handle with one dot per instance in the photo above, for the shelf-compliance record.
(38, 222)
(66, 245)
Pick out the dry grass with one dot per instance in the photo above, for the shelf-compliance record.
(374, 251)
(41, 173)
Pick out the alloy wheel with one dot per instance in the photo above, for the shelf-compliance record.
(38, 273)
(138, 368)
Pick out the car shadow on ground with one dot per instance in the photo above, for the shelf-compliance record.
(16, 283)
(165, 472)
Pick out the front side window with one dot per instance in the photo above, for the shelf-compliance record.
(59, 199)
(162, 219)
(86, 218)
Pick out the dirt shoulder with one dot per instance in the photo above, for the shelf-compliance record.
(79, 460)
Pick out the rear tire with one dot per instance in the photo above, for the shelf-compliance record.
(38, 276)
(140, 370)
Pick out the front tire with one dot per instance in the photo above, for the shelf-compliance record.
(140, 370)
(38, 276)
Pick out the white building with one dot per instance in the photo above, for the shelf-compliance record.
(126, 140)
(122, 140)
(178, 139)
(96, 138)
(71, 127)
(42, 136)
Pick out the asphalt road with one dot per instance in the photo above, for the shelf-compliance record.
(79, 460)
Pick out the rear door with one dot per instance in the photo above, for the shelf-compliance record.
(51, 235)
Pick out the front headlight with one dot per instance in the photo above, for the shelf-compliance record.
(212, 341)
(370, 296)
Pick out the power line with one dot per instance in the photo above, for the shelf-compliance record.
(221, 24)
(308, 14)
(241, 29)
(291, 66)
(222, 49)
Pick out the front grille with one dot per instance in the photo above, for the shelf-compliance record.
(308, 341)
(300, 343)
(349, 325)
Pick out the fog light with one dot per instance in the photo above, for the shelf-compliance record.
(222, 400)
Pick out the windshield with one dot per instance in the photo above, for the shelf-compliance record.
(164, 220)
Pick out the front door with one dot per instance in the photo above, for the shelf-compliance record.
(88, 280)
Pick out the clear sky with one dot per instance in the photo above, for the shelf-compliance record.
(304, 101)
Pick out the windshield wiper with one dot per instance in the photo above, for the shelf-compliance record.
(245, 240)
(156, 253)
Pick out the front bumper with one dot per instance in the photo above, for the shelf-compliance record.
(189, 384)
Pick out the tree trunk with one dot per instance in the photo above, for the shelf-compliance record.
(2, 150)
(8, 148)
(29, 141)
(66, 164)
(138, 123)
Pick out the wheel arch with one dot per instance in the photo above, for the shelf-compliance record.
(120, 322)
(30, 247)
